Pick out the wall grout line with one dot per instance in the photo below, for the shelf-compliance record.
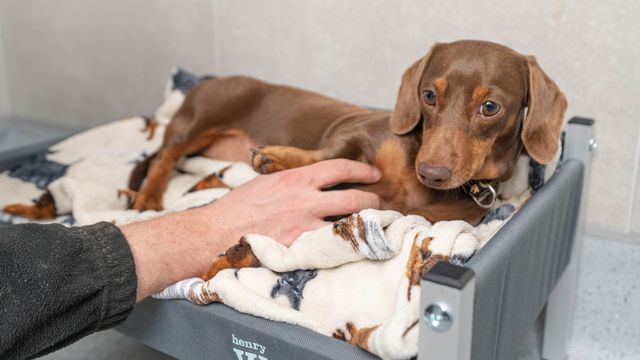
(5, 100)
(634, 184)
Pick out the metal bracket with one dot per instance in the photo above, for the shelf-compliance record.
(447, 298)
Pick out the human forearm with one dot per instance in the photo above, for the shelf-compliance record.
(177, 246)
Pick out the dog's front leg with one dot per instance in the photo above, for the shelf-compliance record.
(270, 159)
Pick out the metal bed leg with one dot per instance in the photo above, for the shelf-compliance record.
(446, 305)
(560, 307)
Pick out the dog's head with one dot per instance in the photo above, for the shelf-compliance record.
(471, 97)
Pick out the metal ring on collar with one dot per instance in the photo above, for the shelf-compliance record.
(493, 194)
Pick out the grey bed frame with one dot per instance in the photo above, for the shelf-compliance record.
(480, 311)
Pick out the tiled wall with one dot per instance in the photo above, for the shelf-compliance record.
(4, 85)
(83, 62)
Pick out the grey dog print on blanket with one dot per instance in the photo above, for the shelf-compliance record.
(291, 284)
(38, 170)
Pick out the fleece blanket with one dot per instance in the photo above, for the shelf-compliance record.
(356, 280)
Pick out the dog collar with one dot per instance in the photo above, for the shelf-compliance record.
(483, 193)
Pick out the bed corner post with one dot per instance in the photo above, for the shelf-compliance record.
(560, 309)
(446, 312)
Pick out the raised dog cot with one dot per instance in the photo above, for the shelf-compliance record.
(480, 311)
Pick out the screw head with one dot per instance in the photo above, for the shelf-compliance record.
(438, 317)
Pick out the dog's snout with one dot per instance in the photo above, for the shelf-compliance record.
(433, 175)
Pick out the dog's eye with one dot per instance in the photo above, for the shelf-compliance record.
(489, 108)
(429, 97)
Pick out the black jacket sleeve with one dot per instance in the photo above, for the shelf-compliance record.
(59, 284)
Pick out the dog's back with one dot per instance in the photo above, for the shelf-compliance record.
(268, 114)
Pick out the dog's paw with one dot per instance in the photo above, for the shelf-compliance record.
(144, 202)
(264, 162)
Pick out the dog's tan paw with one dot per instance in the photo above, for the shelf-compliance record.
(264, 162)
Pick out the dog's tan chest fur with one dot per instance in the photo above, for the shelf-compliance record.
(398, 188)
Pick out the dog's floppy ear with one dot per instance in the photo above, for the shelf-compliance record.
(406, 114)
(545, 115)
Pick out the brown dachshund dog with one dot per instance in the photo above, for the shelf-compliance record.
(464, 112)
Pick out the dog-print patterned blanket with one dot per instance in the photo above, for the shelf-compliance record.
(356, 280)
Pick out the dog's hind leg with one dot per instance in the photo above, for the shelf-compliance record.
(140, 172)
(162, 165)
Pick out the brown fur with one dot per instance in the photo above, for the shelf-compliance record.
(271, 159)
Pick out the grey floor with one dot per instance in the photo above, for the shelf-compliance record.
(607, 322)
(606, 325)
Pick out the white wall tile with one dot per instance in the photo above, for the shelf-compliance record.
(5, 103)
(635, 215)
(597, 59)
(84, 62)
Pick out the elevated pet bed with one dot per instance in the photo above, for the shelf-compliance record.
(480, 310)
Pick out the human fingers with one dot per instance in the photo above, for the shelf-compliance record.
(344, 202)
(328, 173)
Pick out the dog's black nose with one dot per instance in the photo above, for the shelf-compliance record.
(433, 175)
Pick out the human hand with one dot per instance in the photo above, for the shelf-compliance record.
(285, 204)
